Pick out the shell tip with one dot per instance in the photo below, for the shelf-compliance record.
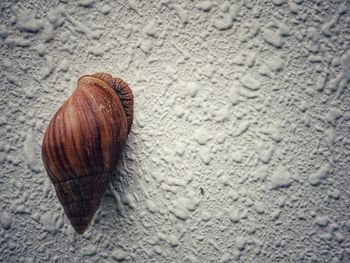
(80, 229)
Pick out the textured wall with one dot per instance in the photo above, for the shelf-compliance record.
(240, 147)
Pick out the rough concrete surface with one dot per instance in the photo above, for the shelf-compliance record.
(240, 147)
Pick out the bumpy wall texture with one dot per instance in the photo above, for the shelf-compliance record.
(240, 147)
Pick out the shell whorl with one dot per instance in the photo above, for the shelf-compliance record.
(82, 144)
(124, 93)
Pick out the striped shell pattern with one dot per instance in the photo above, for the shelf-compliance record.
(83, 143)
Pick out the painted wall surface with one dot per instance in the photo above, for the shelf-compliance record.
(240, 146)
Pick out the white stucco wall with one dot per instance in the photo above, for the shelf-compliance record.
(240, 147)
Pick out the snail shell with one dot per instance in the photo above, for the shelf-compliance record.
(83, 142)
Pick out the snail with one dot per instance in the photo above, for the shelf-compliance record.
(83, 143)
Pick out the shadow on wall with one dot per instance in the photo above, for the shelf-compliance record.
(116, 211)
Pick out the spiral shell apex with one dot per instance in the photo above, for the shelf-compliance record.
(83, 143)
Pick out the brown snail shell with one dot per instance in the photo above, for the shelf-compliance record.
(83, 142)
